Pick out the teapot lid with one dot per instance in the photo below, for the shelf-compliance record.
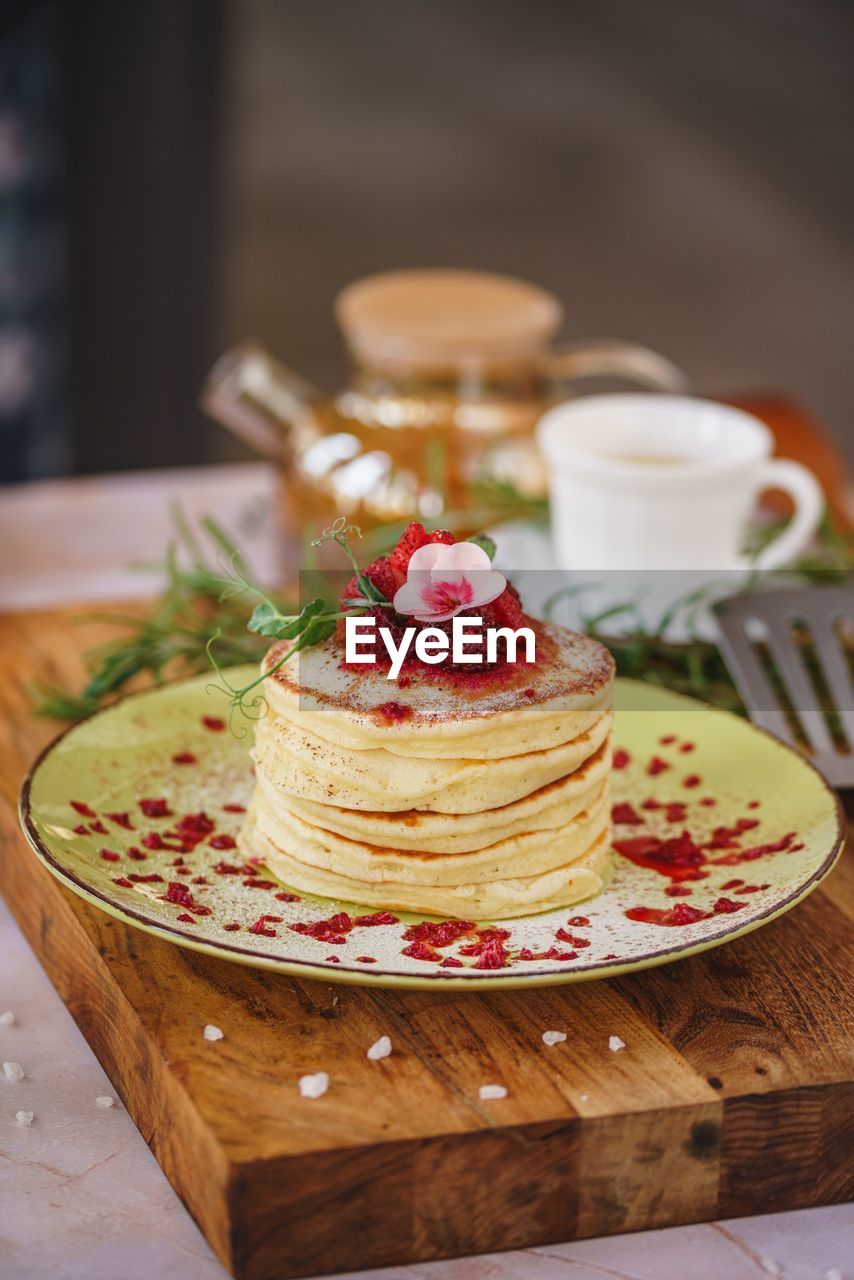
(429, 317)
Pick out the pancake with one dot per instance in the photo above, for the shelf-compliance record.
(422, 830)
(496, 900)
(527, 854)
(442, 715)
(311, 768)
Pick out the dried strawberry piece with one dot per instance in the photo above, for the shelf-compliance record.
(486, 939)
(563, 936)
(526, 954)
(253, 882)
(123, 881)
(620, 758)
(420, 951)
(121, 820)
(676, 811)
(109, 855)
(153, 878)
(231, 928)
(155, 807)
(667, 740)
(193, 827)
(234, 808)
(214, 723)
(692, 780)
(186, 919)
(366, 959)
(732, 884)
(261, 928)
(578, 922)
(683, 914)
(199, 880)
(450, 962)
(222, 842)
(184, 757)
(179, 894)
(708, 802)
(624, 815)
(83, 809)
(98, 827)
(333, 960)
(153, 841)
(656, 766)
(493, 955)
(724, 905)
(81, 829)
(228, 869)
(333, 930)
(136, 854)
(379, 917)
(287, 897)
(687, 747)
(438, 933)
(678, 891)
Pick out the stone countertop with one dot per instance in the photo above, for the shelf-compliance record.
(81, 1196)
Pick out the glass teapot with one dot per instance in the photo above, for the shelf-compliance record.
(450, 371)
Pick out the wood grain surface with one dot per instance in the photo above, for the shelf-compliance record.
(734, 1094)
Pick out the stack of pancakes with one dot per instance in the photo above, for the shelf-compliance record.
(480, 795)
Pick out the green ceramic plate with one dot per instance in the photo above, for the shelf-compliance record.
(767, 826)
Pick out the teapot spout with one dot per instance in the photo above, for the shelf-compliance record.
(258, 399)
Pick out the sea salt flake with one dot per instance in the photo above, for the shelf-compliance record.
(24, 1117)
(13, 1071)
(7, 1019)
(105, 1102)
(615, 1044)
(314, 1086)
(553, 1037)
(491, 1092)
(212, 1032)
(380, 1049)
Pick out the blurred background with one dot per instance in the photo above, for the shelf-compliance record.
(181, 174)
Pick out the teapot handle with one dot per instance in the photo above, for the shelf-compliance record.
(256, 398)
(611, 358)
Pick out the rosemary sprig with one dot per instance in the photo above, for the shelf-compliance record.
(199, 602)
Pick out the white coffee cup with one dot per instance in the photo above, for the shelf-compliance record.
(666, 482)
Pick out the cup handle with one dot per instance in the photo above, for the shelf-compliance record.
(611, 358)
(808, 497)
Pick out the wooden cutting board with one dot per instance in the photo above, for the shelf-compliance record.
(734, 1094)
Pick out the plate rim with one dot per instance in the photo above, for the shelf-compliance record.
(486, 980)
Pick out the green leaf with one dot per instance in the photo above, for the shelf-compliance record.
(369, 591)
(485, 543)
(265, 620)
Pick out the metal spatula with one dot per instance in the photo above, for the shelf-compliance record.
(789, 654)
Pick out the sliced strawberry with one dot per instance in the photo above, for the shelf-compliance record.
(409, 541)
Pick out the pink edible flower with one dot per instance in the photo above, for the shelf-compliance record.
(443, 580)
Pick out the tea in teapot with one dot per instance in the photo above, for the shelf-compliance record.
(450, 371)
